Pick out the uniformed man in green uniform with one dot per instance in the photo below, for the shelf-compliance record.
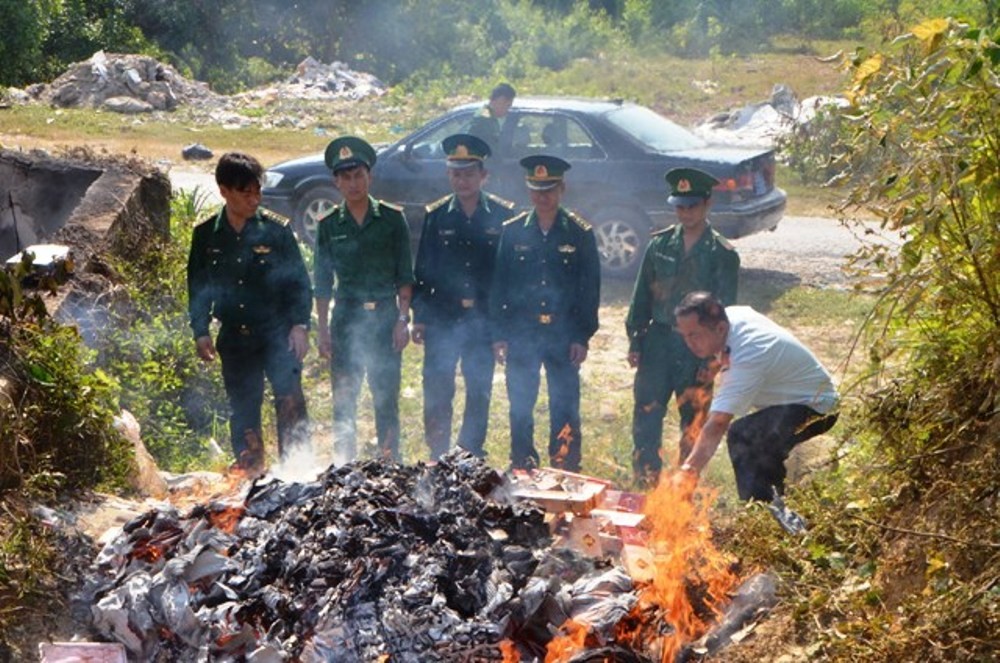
(246, 271)
(543, 309)
(683, 258)
(454, 272)
(488, 121)
(363, 263)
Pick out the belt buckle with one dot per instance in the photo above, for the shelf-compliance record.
(545, 319)
(369, 306)
(468, 303)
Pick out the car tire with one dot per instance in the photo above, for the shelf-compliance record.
(622, 234)
(313, 206)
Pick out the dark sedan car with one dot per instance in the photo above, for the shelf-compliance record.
(619, 152)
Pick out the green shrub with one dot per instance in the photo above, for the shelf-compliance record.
(150, 352)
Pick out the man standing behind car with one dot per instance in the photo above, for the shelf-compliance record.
(363, 263)
(245, 270)
(686, 257)
(488, 121)
(454, 271)
(543, 311)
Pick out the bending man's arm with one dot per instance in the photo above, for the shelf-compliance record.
(708, 441)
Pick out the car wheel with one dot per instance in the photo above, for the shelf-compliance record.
(313, 206)
(622, 235)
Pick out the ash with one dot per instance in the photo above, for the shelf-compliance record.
(371, 560)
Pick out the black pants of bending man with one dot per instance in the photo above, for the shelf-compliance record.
(466, 341)
(248, 356)
(760, 442)
(361, 340)
(527, 353)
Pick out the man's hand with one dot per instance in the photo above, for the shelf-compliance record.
(683, 481)
(298, 341)
(400, 336)
(633, 359)
(323, 341)
(417, 333)
(577, 353)
(500, 352)
(205, 348)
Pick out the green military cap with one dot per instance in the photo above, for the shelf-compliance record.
(543, 171)
(348, 152)
(465, 150)
(689, 186)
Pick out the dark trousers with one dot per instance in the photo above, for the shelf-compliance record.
(467, 340)
(760, 442)
(666, 368)
(362, 344)
(246, 360)
(527, 353)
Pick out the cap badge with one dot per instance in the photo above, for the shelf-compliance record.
(461, 152)
(345, 152)
(683, 186)
(541, 171)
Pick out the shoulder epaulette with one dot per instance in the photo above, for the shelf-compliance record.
(578, 220)
(281, 220)
(437, 203)
(334, 211)
(502, 202)
(394, 207)
(520, 217)
(209, 219)
(661, 231)
(723, 242)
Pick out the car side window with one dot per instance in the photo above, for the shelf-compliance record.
(555, 134)
(428, 146)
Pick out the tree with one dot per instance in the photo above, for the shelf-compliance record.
(21, 37)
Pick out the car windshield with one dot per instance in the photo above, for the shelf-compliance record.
(653, 130)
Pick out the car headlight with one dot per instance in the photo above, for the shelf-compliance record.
(272, 179)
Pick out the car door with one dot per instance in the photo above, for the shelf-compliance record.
(412, 172)
(554, 133)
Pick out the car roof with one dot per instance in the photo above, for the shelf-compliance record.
(578, 104)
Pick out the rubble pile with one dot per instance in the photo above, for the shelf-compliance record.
(314, 80)
(762, 124)
(124, 83)
(370, 560)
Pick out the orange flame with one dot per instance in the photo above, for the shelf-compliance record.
(686, 561)
(565, 436)
(563, 647)
(509, 651)
(226, 518)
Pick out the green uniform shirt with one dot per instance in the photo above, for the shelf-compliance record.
(254, 279)
(557, 274)
(486, 126)
(364, 262)
(667, 275)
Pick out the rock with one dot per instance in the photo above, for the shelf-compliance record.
(196, 152)
(127, 105)
(148, 480)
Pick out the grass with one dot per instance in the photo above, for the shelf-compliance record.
(825, 320)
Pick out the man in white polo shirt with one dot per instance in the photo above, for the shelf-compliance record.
(771, 394)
